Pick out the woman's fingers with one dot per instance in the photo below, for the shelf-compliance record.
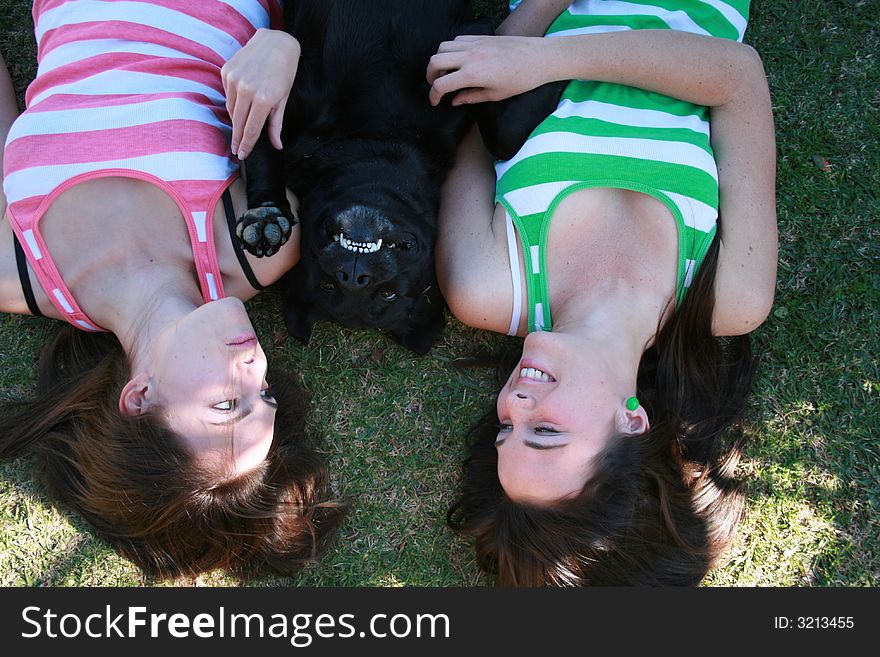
(239, 116)
(276, 120)
(460, 42)
(443, 63)
(446, 84)
(253, 125)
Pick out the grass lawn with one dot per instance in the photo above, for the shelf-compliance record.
(392, 423)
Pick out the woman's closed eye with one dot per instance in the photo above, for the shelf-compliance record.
(539, 429)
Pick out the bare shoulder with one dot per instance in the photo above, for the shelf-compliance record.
(475, 276)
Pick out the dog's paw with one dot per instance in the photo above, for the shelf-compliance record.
(264, 229)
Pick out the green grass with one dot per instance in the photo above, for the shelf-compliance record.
(392, 423)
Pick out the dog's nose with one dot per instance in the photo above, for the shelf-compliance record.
(352, 278)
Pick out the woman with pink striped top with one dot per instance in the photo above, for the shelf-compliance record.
(152, 417)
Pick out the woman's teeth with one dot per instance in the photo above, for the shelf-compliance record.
(537, 375)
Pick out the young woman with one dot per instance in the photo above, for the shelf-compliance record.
(634, 249)
(152, 416)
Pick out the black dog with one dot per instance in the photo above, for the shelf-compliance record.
(366, 155)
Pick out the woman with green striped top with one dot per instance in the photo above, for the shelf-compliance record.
(634, 249)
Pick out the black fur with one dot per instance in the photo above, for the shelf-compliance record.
(366, 154)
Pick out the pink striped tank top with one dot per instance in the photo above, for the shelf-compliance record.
(128, 88)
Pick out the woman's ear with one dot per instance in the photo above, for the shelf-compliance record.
(631, 422)
(135, 396)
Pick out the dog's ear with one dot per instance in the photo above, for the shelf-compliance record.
(426, 322)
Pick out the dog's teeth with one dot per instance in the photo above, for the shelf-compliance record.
(357, 247)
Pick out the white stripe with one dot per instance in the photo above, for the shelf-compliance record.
(32, 244)
(250, 10)
(539, 316)
(41, 180)
(535, 198)
(657, 150)
(75, 51)
(629, 116)
(689, 271)
(676, 20)
(212, 287)
(131, 82)
(590, 29)
(140, 13)
(737, 20)
(64, 303)
(513, 255)
(696, 214)
(536, 258)
(201, 231)
(86, 325)
(59, 122)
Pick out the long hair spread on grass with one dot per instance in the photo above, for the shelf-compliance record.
(662, 508)
(131, 479)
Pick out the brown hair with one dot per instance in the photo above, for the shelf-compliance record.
(662, 508)
(136, 485)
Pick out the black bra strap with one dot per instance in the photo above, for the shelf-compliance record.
(236, 245)
(24, 278)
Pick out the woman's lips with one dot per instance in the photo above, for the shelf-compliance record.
(246, 340)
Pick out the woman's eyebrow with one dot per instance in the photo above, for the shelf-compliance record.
(536, 445)
(234, 420)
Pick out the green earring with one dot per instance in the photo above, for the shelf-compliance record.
(632, 403)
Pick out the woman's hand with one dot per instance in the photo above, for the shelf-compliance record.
(486, 68)
(258, 79)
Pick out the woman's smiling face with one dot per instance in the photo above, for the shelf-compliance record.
(556, 414)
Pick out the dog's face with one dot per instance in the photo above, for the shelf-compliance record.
(368, 258)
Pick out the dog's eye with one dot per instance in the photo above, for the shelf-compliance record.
(388, 295)
(327, 286)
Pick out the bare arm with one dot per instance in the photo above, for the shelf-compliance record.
(699, 69)
(471, 259)
(744, 142)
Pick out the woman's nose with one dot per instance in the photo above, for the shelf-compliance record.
(252, 358)
(516, 399)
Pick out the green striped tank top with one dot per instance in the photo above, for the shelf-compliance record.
(609, 135)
